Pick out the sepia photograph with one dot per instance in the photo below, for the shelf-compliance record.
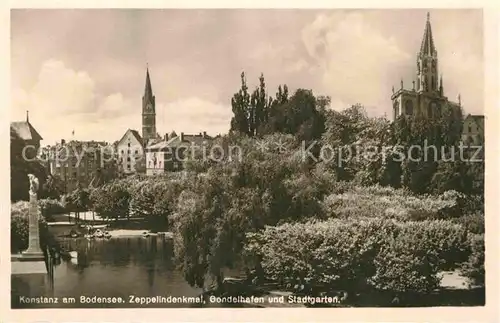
(247, 158)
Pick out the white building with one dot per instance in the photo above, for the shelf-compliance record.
(130, 153)
(169, 154)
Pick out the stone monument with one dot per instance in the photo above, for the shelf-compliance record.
(34, 252)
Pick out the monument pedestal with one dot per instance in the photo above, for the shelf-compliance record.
(29, 274)
(31, 257)
(34, 252)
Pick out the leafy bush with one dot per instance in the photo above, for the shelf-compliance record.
(473, 204)
(473, 269)
(19, 228)
(50, 207)
(155, 200)
(111, 200)
(473, 222)
(382, 254)
(386, 202)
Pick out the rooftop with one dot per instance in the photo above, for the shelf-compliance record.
(25, 131)
(176, 142)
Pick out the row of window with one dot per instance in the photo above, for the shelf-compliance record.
(469, 127)
(136, 152)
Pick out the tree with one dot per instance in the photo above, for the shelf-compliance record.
(111, 200)
(260, 104)
(297, 115)
(78, 201)
(437, 137)
(217, 207)
(155, 200)
(355, 142)
(52, 188)
(241, 109)
(250, 111)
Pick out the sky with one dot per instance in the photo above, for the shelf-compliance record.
(85, 69)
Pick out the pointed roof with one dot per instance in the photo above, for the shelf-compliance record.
(148, 91)
(134, 133)
(427, 47)
(25, 131)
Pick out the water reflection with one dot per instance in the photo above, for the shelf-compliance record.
(118, 267)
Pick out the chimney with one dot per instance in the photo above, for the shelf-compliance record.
(204, 134)
(182, 136)
(166, 137)
(63, 141)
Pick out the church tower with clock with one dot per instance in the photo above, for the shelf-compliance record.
(426, 97)
(148, 112)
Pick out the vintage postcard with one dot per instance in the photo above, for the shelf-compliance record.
(295, 160)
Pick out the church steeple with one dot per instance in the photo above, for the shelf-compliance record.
(427, 62)
(148, 111)
(148, 91)
(427, 47)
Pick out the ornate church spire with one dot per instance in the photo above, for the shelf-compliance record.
(427, 62)
(427, 47)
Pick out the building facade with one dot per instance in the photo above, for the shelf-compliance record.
(130, 153)
(170, 154)
(24, 148)
(81, 163)
(426, 97)
(25, 136)
(473, 130)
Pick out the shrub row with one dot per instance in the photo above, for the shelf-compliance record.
(50, 207)
(386, 202)
(350, 255)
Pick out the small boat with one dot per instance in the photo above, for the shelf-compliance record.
(98, 233)
(107, 235)
(145, 234)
